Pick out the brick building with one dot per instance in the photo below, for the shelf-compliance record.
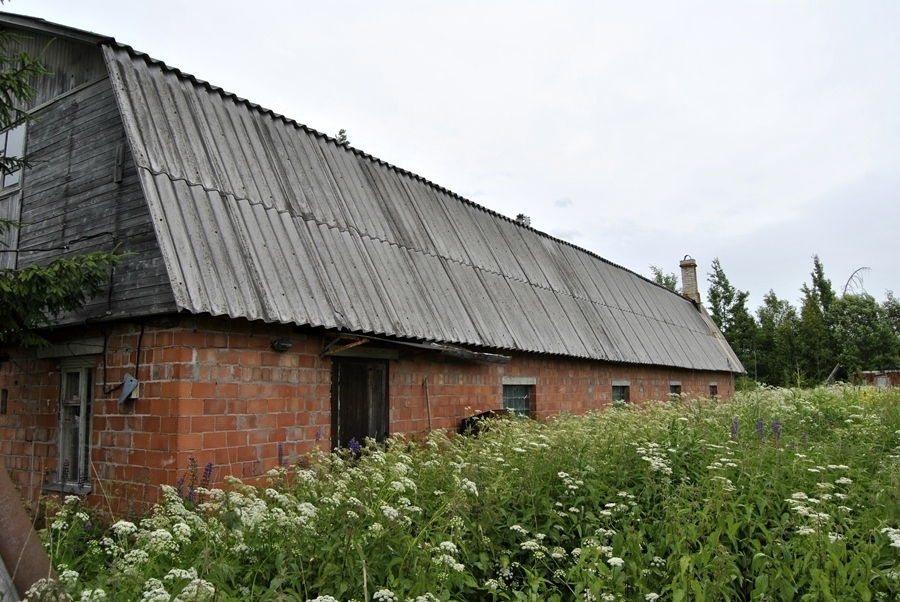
(284, 291)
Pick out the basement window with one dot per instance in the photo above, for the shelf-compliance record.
(674, 391)
(621, 392)
(517, 399)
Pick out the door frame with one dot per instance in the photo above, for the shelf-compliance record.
(373, 390)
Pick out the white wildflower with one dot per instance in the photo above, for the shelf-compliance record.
(190, 573)
(615, 561)
(68, 578)
(123, 528)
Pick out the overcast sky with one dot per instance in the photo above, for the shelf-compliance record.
(760, 133)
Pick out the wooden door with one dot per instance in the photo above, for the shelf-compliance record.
(359, 401)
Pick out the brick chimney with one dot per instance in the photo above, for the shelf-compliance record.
(689, 279)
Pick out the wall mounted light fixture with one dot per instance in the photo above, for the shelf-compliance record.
(281, 345)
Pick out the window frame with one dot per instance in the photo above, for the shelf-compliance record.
(75, 422)
(18, 152)
(675, 390)
(526, 394)
(620, 392)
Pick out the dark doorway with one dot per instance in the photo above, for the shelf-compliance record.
(359, 401)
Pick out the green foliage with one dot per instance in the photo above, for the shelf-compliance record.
(786, 347)
(776, 341)
(33, 296)
(778, 495)
(815, 340)
(863, 334)
(728, 309)
(669, 281)
(18, 70)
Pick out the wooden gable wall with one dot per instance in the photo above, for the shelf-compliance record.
(72, 64)
(72, 202)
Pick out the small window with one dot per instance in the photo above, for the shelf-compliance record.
(75, 410)
(674, 391)
(713, 390)
(517, 399)
(12, 144)
(621, 393)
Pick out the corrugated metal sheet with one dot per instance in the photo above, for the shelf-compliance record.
(262, 218)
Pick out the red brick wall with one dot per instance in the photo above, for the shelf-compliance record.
(213, 389)
(457, 389)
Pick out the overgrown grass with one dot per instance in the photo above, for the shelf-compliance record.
(776, 495)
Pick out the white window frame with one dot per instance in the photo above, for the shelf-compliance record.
(76, 401)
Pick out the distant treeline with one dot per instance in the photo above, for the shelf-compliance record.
(829, 335)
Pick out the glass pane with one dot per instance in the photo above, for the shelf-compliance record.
(517, 399)
(12, 179)
(72, 387)
(14, 147)
(620, 393)
(15, 141)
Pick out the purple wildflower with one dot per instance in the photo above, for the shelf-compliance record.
(760, 428)
(280, 454)
(180, 486)
(734, 428)
(804, 439)
(207, 475)
(318, 434)
(354, 446)
(776, 429)
(81, 479)
(65, 471)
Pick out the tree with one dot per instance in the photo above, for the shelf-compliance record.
(776, 341)
(342, 137)
(891, 308)
(669, 281)
(815, 341)
(863, 334)
(728, 308)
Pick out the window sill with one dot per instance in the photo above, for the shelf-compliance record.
(70, 488)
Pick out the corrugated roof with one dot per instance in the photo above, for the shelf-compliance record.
(262, 218)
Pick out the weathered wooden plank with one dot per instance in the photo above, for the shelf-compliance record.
(70, 199)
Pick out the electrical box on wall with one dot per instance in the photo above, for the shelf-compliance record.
(130, 389)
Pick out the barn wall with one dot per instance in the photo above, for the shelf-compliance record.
(213, 389)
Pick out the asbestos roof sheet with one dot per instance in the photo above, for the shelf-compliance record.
(262, 218)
